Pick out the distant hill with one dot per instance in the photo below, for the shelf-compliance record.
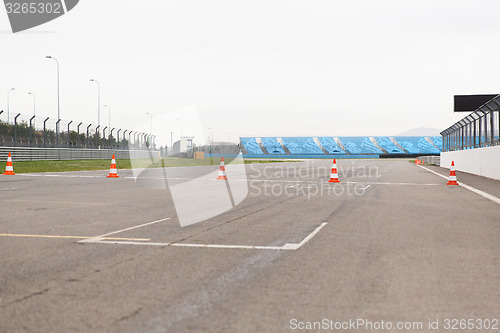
(421, 131)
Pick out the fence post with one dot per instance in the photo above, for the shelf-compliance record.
(44, 131)
(57, 132)
(97, 134)
(31, 130)
(15, 129)
(68, 134)
(87, 143)
(104, 134)
(485, 129)
(492, 126)
(78, 135)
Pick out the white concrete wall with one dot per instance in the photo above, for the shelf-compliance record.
(480, 161)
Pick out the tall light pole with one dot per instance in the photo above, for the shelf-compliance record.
(58, 100)
(212, 134)
(34, 102)
(151, 127)
(98, 102)
(109, 115)
(8, 103)
(180, 121)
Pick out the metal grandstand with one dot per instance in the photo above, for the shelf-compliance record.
(341, 146)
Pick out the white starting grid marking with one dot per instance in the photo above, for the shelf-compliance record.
(287, 247)
(100, 237)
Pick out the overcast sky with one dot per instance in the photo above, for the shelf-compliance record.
(258, 68)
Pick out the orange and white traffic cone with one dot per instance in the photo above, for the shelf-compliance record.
(418, 162)
(9, 169)
(334, 177)
(222, 170)
(112, 171)
(453, 177)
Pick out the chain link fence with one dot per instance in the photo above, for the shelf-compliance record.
(21, 130)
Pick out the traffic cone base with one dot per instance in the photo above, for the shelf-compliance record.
(9, 169)
(334, 177)
(452, 180)
(112, 171)
(222, 171)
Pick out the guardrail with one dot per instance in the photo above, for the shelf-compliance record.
(39, 154)
(435, 160)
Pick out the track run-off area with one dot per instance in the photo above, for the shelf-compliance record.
(392, 242)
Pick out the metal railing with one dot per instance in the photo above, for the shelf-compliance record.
(479, 129)
(22, 130)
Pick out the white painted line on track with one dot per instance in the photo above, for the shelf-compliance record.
(307, 239)
(470, 188)
(286, 247)
(100, 237)
(232, 179)
(378, 183)
(8, 189)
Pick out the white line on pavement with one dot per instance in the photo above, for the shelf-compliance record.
(8, 189)
(307, 239)
(470, 188)
(99, 238)
(287, 247)
(410, 184)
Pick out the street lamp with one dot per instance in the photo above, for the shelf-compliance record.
(32, 119)
(180, 121)
(34, 102)
(151, 128)
(212, 134)
(8, 103)
(109, 115)
(98, 101)
(58, 100)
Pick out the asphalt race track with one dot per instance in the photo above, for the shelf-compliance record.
(81, 252)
